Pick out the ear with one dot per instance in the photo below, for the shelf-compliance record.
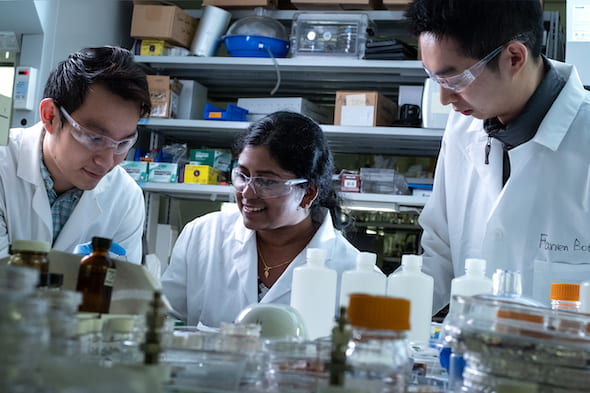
(311, 193)
(518, 55)
(49, 114)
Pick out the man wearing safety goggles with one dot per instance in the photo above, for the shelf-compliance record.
(59, 179)
(512, 182)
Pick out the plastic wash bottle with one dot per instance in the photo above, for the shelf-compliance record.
(364, 279)
(313, 294)
(418, 287)
(473, 282)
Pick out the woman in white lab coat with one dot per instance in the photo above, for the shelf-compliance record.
(512, 182)
(225, 261)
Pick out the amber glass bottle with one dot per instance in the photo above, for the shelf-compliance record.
(96, 277)
(32, 254)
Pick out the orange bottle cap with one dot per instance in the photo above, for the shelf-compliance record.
(568, 292)
(379, 312)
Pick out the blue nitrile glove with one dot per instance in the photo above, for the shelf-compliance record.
(86, 249)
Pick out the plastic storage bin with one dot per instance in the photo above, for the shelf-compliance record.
(231, 113)
(329, 34)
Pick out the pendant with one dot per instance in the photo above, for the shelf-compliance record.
(266, 269)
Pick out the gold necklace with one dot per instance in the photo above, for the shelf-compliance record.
(267, 268)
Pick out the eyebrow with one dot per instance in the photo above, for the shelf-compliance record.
(444, 71)
(260, 173)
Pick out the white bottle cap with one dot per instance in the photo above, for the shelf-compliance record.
(585, 297)
(316, 256)
(366, 260)
(411, 260)
(475, 265)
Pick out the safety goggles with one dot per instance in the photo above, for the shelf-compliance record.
(96, 142)
(264, 187)
(459, 82)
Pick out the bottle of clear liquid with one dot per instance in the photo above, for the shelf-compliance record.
(364, 279)
(565, 297)
(418, 287)
(585, 297)
(313, 293)
(32, 254)
(378, 351)
(96, 277)
(473, 282)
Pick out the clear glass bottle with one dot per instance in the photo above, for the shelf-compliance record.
(32, 254)
(565, 297)
(378, 352)
(96, 277)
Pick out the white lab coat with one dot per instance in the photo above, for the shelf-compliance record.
(538, 223)
(114, 209)
(213, 272)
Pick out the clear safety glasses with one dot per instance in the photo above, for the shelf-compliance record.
(96, 142)
(459, 82)
(264, 187)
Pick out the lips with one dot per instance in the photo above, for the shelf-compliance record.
(94, 175)
(252, 209)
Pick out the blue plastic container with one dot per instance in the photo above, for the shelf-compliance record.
(255, 46)
(231, 113)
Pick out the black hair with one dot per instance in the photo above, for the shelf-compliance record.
(299, 145)
(109, 66)
(479, 26)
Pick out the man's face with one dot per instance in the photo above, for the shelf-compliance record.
(72, 163)
(484, 98)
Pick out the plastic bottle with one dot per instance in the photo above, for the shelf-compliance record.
(32, 254)
(410, 283)
(96, 277)
(313, 293)
(363, 279)
(473, 282)
(378, 351)
(565, 297)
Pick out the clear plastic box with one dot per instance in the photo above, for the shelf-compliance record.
(329, 34)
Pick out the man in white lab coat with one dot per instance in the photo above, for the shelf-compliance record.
(59, 180)
(512, 182)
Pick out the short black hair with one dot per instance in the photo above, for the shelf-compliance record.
(299, 145)
(479, 26)
(109, 66)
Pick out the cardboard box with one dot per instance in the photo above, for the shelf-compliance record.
(201, 174)
(163, 172)
(260, 107)
(217, 159)
(164, 95)
(138, 170)
(163, 22)
(193, 98)
(350, 182)
(337, 4)
(364, 108)
(397, 5)
(242, 3)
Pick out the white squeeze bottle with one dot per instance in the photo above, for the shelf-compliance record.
(473, 282)
(410, 283)
(313, 294)
(364, 279)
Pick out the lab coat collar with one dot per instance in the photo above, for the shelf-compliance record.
(29, 169)
(559, 118)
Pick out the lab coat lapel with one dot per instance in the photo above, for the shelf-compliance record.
(30, 171)
(246, 259)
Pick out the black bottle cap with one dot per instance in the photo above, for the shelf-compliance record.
(101, 243)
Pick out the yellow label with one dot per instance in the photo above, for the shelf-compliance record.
(215, 115)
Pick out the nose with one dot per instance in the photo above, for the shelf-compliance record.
(107, 158)
(249, 192)
(447, 96)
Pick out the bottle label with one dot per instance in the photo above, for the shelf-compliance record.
(109, 278)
